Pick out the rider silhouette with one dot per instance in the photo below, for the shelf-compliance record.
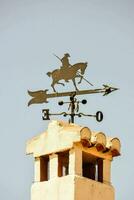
(65, 61)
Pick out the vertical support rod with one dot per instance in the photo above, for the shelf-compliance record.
(72, 105)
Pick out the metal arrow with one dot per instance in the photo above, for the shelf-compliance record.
(41, 96)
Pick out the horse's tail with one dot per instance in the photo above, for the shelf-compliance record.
(49, 74)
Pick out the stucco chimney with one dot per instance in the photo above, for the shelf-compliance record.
(72, 163)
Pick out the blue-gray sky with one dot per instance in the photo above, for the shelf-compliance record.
(100, 32)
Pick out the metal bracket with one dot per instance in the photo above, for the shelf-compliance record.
(74, 108)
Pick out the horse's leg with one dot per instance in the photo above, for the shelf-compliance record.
(74, 83)
(56, 82)
(79, 76)
(80, 80)
(52, 85)
(61, 83)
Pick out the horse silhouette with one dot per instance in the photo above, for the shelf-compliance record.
(75, 71)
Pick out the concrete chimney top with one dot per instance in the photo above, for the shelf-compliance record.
(61, 136)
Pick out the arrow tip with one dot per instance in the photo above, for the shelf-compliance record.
(108, 89)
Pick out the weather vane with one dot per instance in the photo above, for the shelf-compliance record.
(66, 73)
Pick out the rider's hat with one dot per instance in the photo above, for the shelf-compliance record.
(67, 55)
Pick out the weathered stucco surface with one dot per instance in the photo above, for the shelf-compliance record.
(71, 187)
(84, 147)
(61, 188)
(87, 189)
(62, 135)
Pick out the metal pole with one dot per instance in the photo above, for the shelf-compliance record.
(72, 104)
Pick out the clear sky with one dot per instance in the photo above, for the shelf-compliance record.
(100, 32)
